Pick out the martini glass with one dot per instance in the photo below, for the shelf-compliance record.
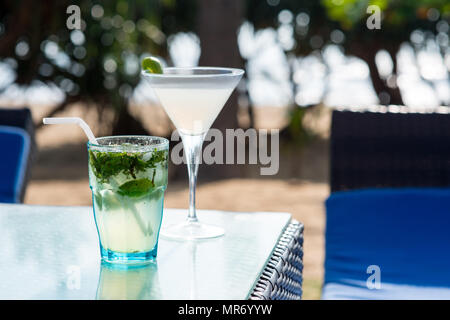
(192, 98)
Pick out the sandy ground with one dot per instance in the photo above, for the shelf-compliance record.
(60, 178)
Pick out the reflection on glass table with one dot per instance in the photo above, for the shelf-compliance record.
(118, 282)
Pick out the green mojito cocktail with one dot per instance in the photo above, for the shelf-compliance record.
(128, 177)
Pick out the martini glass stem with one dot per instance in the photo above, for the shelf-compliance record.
(192, 145)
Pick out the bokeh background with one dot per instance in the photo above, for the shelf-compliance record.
(302, 59)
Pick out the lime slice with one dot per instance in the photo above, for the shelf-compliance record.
(152, 65)
(156, 195)
(110, 200)
(98, 200)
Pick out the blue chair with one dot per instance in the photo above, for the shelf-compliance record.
(403, 234)
(16, 146)
(388, 214)
(19, 149)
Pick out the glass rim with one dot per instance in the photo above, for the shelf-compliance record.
(233, 72)
(164, 143)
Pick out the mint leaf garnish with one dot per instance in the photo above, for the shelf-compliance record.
(108, 164)
(136, 188)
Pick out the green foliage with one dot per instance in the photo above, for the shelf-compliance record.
(108, 164)
(350, 13)
(321, 18)
(99, 64)
(314, 24)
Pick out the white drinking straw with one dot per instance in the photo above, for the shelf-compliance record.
(74, 120)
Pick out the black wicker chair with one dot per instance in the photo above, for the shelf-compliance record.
(389, 149)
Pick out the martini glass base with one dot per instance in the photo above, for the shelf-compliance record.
(192, 231)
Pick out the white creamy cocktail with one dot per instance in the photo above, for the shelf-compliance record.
(192, 98)
(193, 111)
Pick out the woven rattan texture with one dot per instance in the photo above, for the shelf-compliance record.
(376, 149)
(281, 279)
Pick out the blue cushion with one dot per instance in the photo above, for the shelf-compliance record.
(15, 143)
(388, 291)
(405, 232)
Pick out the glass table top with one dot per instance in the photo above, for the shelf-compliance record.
(53, 253)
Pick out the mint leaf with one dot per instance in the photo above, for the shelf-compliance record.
(108, 164)
(136, 188)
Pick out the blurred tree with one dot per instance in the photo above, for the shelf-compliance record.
(217, 26)
(399, 20)
(343, 22)
(99, 64)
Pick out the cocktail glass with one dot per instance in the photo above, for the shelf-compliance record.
(192, 98)
(128, 177)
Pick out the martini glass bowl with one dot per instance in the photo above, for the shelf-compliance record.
(193, 98)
